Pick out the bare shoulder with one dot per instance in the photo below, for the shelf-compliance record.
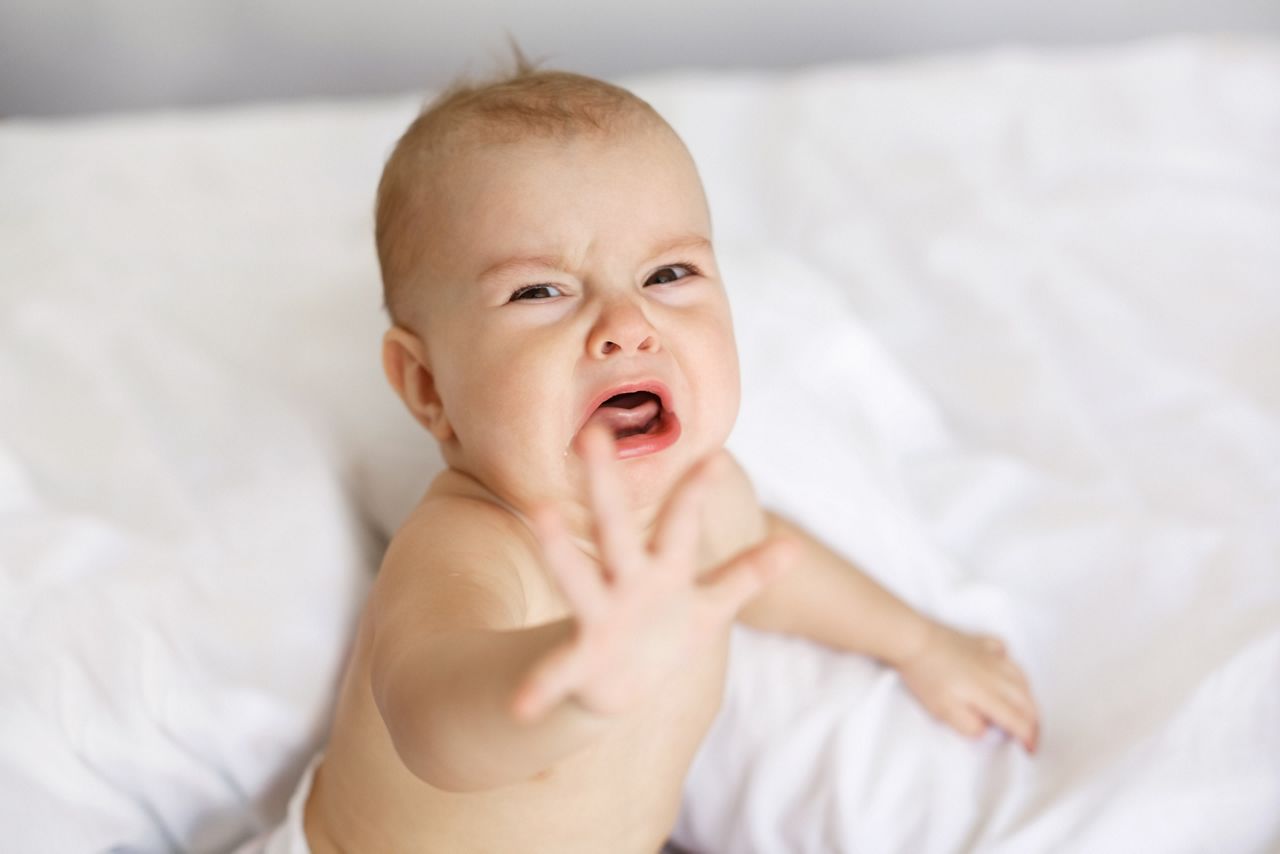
(734, 518)
(456, 562)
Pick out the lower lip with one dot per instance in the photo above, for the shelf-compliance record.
(642, 444)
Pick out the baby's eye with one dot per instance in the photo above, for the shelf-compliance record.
(535, 292)
(670, 274)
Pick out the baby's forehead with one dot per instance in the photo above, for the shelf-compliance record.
(497, 180)
(503, 138)
(528, 107)
(480, 172)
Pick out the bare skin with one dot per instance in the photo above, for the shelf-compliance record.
(646, 705)
(642, 727)
(545, 644)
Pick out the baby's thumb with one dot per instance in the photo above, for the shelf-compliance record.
(736, 582)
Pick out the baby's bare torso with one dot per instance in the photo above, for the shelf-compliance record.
(620, 794)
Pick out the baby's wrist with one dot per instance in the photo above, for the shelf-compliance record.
(917, 635)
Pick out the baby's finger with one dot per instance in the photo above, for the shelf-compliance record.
(1006, 716)
(1015, 692)
(578, 579)
(731, 585)
(992, 644)
(550, 681)
(965, 721)
(620, 546)
(1018, 680)
(678, 527)
(1014, 672)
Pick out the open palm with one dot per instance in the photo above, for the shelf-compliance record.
(642, 612)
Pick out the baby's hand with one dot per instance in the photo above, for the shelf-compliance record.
(643, 614)
(968, 681)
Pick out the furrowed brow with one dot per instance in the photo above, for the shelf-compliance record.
(524, 262)
(683, 241)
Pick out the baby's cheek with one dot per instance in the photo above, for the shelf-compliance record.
(719, 399)
(496, 410)
(726, 357)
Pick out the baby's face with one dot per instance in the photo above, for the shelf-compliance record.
(561, 273)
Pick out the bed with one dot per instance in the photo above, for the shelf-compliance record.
(1009, 323)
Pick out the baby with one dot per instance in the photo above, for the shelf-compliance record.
(545, 644)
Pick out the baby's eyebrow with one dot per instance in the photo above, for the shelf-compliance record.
(683, 241)
(526, 262)
(559, 262)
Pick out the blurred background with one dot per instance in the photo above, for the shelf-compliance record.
(113, 55)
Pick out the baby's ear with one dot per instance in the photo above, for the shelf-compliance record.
(404, 359)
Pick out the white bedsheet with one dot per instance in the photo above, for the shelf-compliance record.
(1008, 324)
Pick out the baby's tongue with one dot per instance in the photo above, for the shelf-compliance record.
(622, 420)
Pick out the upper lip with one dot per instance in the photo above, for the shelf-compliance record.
(650, 385)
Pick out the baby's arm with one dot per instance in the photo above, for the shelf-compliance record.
(472, 700)
(449, 651)
(832, 602)
(963, 680)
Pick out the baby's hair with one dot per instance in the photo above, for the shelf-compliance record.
(526, 102)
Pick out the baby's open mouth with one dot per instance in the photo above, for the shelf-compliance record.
(640, 418)
(630, 414)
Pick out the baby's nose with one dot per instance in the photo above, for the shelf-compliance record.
(622, 328)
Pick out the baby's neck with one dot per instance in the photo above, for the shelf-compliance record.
(575, 515)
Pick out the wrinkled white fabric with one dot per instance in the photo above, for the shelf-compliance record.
(1008, 331)
(290, 836)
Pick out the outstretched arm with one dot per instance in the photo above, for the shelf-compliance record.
(964, 680)
(473, 698)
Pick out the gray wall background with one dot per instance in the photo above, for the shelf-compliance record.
(73, 56)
